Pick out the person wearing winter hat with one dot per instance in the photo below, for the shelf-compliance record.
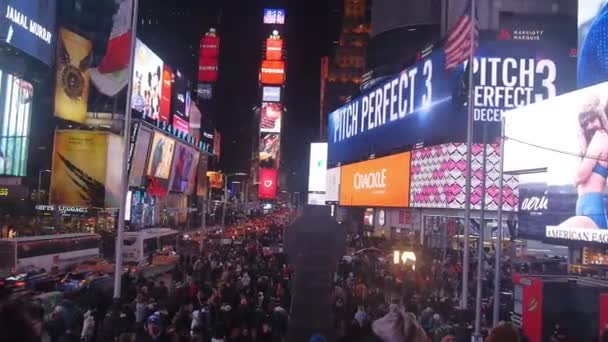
(444, 333)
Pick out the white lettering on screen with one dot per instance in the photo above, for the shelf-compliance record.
(30, 25)
(370, 181)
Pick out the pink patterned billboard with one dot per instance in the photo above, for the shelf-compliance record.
(438, 178)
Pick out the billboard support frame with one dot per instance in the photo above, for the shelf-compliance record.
(498, 247)
(125, 158)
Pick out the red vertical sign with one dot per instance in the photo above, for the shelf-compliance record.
(165, 99)
(532, 311)
(268, 184)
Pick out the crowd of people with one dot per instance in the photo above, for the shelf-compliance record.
(237, 288)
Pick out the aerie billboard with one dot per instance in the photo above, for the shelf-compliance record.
(382, 182)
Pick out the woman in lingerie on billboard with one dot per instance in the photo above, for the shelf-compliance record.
(590, 178)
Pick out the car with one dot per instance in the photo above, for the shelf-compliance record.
(165, 257)
(94, 265)
(35, 280)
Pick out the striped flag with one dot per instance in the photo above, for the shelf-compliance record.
(458, 44)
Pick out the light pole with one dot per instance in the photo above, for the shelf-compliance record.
(40, 184)
(225, 198)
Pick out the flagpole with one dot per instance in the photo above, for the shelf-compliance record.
(124, 185)
(497, 266)
(467, 187)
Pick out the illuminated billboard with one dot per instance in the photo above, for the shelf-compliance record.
(269, 150)
(85, 170)
(208, 70)
(274, 49)
(558, 148)
(180, 104)
(270, 117)
(165, 101)
(184, 168)
(72, 77)
(202, 181)
(317, 171)
(210, 46)
(274, 16)
(272, 72)
(147, 82)
(139, 157)
(29, 26)
(161, 155)
(382, 182)
(216, 179)
(332, 185)
(267, 189)
(271, 94)
(15, 117)
(592, 23)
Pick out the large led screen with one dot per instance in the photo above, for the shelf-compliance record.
(202, 181)
(332, 191)
(147, 82)
(15, 115)
(29, 25)
(270, 117)
(184, 167)
(72, 77)
(381, 182)
(274, 49)
(138, 160)
(181, 103)
(559, 148)
(592, 25)
(317, 167)
(272, 72)
(161, 155)
(165, 100)
(267, 189)
(269, 150)
(274, 16)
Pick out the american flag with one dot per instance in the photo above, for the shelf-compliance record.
(458, 44)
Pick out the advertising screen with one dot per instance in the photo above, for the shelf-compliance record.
(332, 191)
(207, 70)
(216, 179)
(138, 161)
(181, 103)
(204, 91)
(274, 49)
(165, 99)
(29, 26)
(269, 150)
(592, 23)
(271, 94)
(210, 46)
(85, 170)
(72, 77)
(15, 117)
(207, 134)
(272, 72)
(268, 184)
(147, 82)
(270, 117)
(202, 181)
(425, 104)
(558, 149)
(217, 144)
(317, 167)
(161, 155)
(382, 182)
(274, 16)
(184, 168)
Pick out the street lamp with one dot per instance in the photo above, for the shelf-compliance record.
(225, 200)
(40, 172)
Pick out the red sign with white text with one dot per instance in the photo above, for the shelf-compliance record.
(207, 69)
(268, 184)
(274, 49)
(165, 99)
(181, 124)
(210, 47)
(272, 72)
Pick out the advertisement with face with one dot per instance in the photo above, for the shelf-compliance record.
(72, 77)
(29, 26)
(272, 72)
(592, 25)
(270, 117)
(81, 174)
(382, 182)
(15, 124)
(147, 82)
(562, 168)
(138, 161)
(332, 191)
(268, 184)
(181, 103)
(161, 155)
(269, 150)
(184, 165)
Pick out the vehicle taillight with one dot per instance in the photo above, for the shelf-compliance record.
(20, 284)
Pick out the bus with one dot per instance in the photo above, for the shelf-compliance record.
(24, 254)
(138, 246)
